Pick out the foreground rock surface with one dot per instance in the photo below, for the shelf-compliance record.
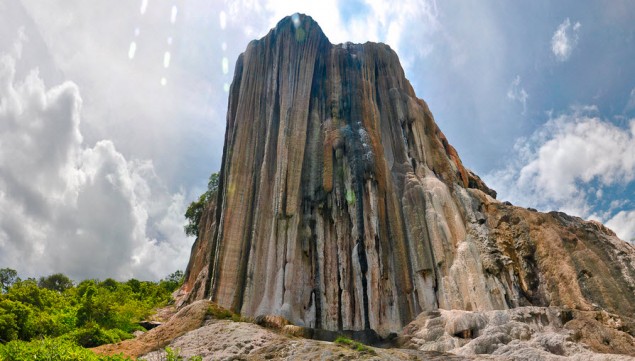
(228, 340)
(342, 206)
(525, 333)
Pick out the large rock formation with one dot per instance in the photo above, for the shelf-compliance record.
(342, 206)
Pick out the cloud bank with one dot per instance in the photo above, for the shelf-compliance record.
(69, 207)
(569, 164)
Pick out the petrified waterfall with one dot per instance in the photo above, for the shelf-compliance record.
(342, 206)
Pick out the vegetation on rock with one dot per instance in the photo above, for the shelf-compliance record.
(195, 209)
(357, 346)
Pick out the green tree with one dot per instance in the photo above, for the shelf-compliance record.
(110, 284)
(134, 284)
(8, 277)
(193, 216)
(172, 281)
(194, 212)
(16, 321)
(212, 184)
(87, 310)
(29, 293)
(56, 282)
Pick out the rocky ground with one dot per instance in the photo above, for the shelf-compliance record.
(525, 333)
(228, 340)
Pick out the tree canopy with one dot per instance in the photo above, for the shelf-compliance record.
(8, 277)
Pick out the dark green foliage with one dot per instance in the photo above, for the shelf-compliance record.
(92, 335)
(15, 321)
(55, 282)
(109, 283)
(135, 285)
(8, 277)
(193, 215)
(194, 211)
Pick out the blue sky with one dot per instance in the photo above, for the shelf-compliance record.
(112, 115)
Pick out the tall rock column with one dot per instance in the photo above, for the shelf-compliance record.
(342, 206)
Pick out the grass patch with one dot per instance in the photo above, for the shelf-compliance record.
(354, 345)
(174, 355)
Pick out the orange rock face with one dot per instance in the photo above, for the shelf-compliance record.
(342, 206)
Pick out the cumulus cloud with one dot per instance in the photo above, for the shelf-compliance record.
(69, 207)
(517, 93)
(565, 39)
(567, 163)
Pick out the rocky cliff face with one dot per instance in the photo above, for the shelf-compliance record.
(342, 206)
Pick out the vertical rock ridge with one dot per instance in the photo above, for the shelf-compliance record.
(342, 205)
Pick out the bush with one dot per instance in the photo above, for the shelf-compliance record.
(52, 349)
(92, 313)
(93, 335)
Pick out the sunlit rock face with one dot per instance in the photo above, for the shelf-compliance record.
(342, 205)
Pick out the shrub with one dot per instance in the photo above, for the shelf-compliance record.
(357, 346)
(52, 349)
(92, 335)
(173, 355)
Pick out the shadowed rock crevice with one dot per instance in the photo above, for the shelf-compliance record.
(342, 206)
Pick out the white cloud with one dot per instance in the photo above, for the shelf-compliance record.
(163, 100)
(72, 208)
(403, 25)
(555, 167)
(623, 223)
(517, 93)
(565, 39)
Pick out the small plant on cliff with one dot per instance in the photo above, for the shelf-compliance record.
(194, 212)
(357, 346)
